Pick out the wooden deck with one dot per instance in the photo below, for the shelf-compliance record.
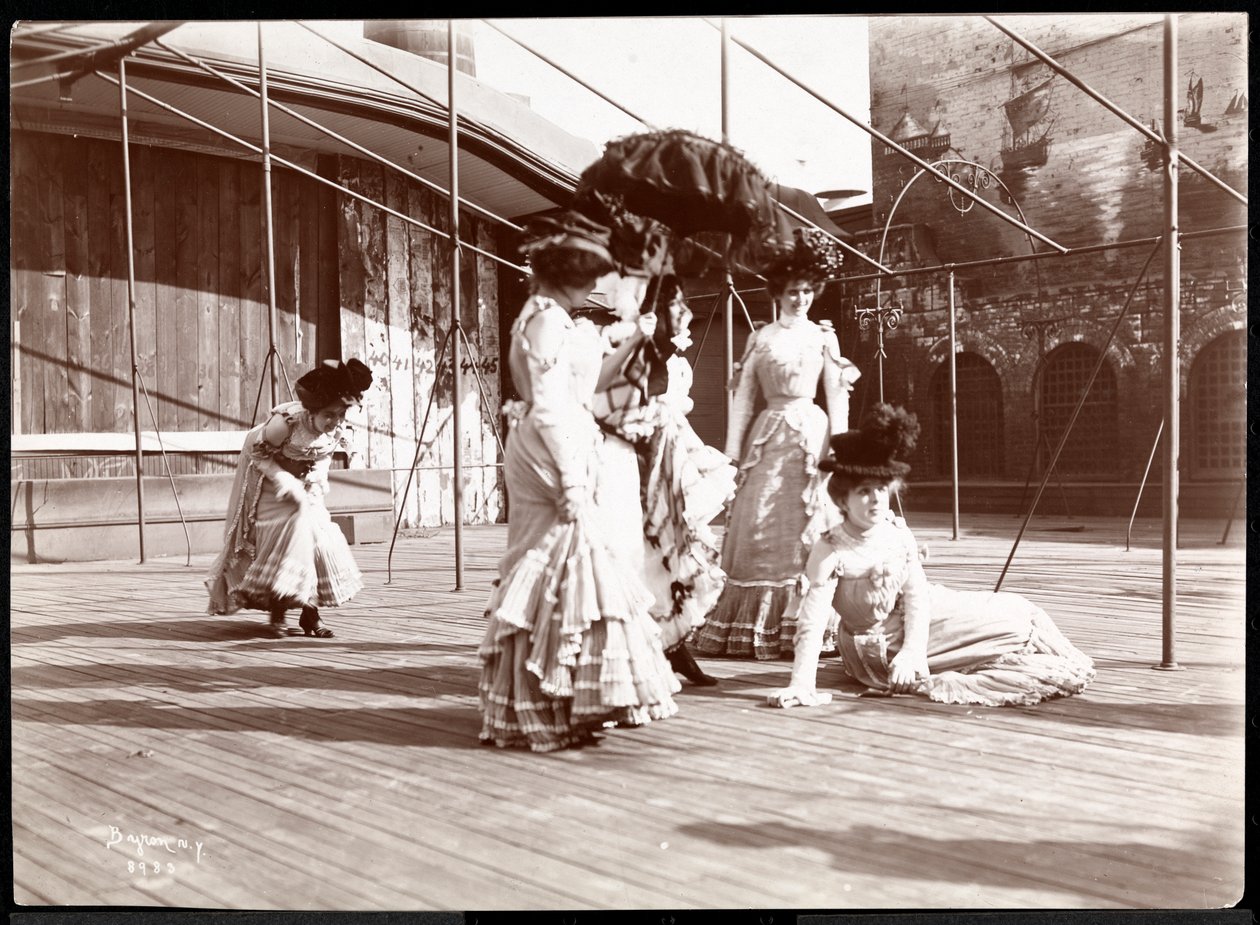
(346, 773)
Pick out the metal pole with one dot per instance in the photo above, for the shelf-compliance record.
(953, 402)
(456, 395)
(270, 235)
(1172, 337)
(131, 299)
(1128, 534)
(728, 307)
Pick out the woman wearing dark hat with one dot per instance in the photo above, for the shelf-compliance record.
(570, 645)
(780, 508)
(898, 633)
(281, 549)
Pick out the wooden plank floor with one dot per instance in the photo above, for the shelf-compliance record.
(346, 773)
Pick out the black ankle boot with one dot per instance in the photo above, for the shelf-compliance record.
(681, 660)
(311, 625)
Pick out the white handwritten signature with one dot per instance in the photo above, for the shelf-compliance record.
(142, 840)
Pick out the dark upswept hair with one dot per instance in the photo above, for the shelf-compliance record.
(812, 258)
(568, 267)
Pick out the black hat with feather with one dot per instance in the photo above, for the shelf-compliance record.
(876, 450)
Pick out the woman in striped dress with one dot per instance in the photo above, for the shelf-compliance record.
(570, 645)
(281, 549)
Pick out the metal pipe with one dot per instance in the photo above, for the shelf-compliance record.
(875, 133)
(269, 231)
(131, 297)
(366, 152)
(953, 402)
(569, 74)
(457, 478)
(298, 168)
(1018, 258)
(372, 64)
(1128, 533)
(728, 307)
(1172, 339)
(1114, 109)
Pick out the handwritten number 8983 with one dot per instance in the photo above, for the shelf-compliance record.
(154, 867)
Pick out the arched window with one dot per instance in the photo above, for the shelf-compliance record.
(981, 442)
(1091, 449)
(1218, 408)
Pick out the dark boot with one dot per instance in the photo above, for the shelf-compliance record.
(309, 621)
(682, 662)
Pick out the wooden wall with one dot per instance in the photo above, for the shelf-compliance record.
(395, 313)
(201, 305)
(350, 281)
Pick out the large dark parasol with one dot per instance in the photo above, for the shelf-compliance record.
(688, 183)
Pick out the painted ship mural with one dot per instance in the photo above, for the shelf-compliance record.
(1026, 136)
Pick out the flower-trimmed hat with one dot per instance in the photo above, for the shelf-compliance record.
(813, 256)
(569, 229)
(876, 449)
(332, 381)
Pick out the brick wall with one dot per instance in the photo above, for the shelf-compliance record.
(1098, 184)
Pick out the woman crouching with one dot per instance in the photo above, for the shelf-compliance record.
(281, 549)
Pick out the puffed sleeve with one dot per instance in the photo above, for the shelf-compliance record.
(744, 385)
(839, 374)
(268, 442)
(914, 595)
(546, 345)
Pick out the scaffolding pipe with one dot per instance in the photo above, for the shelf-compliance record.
(953, 402)
(1076, 413)
(1116, 110)
(298, 168)
(1172, 337)
(728, 307)
(875, 133)
(269, 231)
(1018, 258)
(366, 152)
(131, 298)
(456, 435)
(1128, 533)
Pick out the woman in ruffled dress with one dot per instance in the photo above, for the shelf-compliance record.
(664, 484)
(898, 633)
(281, 549)
(780, 506)
(570, 645)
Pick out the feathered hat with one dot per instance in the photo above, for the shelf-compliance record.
(569, 229)
(639, 245)
(332, 381)
(812, 256)
(876, 450)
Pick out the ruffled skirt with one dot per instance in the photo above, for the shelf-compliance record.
(780, 509)
(983, 648)
(686, 485)
(279, 554)
(570, 644)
